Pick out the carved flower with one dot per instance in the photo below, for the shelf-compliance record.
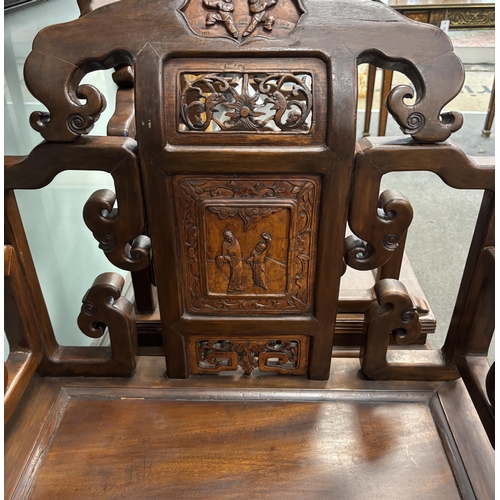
(244, 115)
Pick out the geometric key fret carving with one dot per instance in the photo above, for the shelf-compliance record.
(248, 244)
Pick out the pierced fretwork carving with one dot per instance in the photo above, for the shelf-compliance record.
(270, 355)
(246, 103)
(225, 228)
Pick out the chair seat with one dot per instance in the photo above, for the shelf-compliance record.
(224, 436)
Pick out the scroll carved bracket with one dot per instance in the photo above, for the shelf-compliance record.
(418, 121)
(103, 306)
(393, 314)
(389, 216)
(68, 118)
(114, 231)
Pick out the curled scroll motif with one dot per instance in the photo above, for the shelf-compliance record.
(82, 120)
(195, 101)
(276, 355)
(114, 231)
(68, 117)
(104, 307)
(388, 221)
(394, 315)
(465, 18)
(423, 124)
(274, 103)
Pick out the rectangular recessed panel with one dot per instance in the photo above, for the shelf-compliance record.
(247, 243)
(131, 449)
(246, 102)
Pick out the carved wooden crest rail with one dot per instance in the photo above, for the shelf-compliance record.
(245, 129)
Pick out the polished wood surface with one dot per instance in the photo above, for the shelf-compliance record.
(490, 115)
(233, 196)
(278, 428)
(462, 14)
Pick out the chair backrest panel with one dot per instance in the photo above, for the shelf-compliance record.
(245, 117)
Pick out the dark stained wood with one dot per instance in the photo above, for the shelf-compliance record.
(251, 434)
(22, 431)
(166, 464)
(490, 115)
(122, 123)
(462, 14)
(471, 439)
(117, 231)
(370, 89)
(104, 309)
(386, 88)
(21, 331)
(238, 189)
(68, 62)
(394, 315)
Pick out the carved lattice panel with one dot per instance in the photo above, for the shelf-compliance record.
(254, 101)
(246, 102)
(286, 355)
(247, 244)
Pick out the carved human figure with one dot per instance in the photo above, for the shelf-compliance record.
(258, 9)
(257, 261)
(223, 14)
(231, 253)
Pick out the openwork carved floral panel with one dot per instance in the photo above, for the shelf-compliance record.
(246, 102)
(247, 244)
(281, 355)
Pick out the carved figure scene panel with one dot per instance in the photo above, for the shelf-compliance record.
(247, 244)
(246, 102)
(279, 355)
(241, 20)
(251, 262)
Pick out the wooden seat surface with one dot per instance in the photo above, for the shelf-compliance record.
(225, 436)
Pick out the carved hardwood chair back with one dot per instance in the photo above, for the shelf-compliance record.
(236, 170)
(238, 176)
